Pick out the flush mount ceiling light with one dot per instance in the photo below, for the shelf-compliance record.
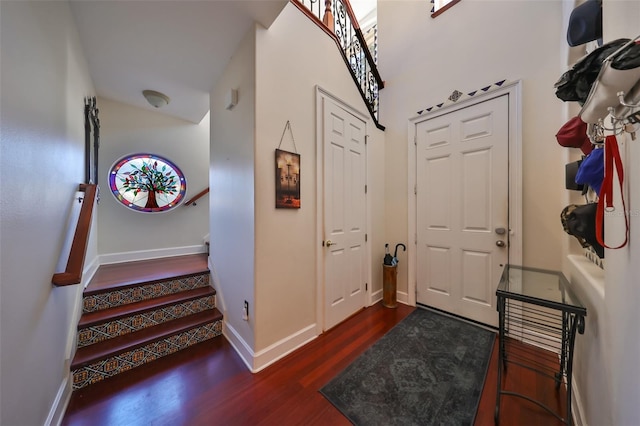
(156, 99)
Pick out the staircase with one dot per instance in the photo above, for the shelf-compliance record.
(337, 19)
(136, 312)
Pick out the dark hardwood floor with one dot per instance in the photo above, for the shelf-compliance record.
(210, 385)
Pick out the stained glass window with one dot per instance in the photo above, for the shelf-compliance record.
(147, 183)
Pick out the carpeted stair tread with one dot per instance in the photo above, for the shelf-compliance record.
(89, 319)
(102, 350)
(121, 275)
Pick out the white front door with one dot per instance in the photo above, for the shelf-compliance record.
(345, 256)
(462, 202)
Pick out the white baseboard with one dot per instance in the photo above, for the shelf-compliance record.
(242, 348)
(264, 358)
(284, 347)
(576, 404)
(220, 302)
(56, 413)
(403, 297)
(131, 256)
(90, 271)
(376, 297)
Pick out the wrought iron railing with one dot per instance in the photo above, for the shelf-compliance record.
(337, 18)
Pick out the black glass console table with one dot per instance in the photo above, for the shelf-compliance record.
(538, 320)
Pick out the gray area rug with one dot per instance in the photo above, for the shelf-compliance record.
(428, 370)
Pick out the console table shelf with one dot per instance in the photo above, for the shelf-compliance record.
(537, 309)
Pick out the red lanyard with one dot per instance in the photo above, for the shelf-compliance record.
(605, 202)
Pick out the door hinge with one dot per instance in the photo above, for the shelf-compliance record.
(366, 139)
(365, 189)
(366, 286)
(366, 237)
(415, 189)
(415, 140)
(415, 239)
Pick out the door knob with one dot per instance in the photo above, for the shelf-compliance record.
(330, 243)
(500, 243)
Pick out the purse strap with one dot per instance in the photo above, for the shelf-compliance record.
(605, 202)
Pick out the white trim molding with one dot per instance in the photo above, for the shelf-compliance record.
(257, 361)
(238, 343)
(132, 256)
(264, 358)
(61, 401)
(321, 95)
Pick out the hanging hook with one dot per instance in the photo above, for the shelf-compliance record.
(595, 133)
(603, 127)
(623, 102)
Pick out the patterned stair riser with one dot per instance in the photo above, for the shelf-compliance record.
(119, 327)
(97, 302)
(126, 361)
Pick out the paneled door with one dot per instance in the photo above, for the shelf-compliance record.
(462, 201)
(345, 214)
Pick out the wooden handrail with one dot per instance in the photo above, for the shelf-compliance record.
(75, 264)
(196, 197)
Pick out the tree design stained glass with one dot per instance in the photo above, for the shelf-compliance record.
(147, 183)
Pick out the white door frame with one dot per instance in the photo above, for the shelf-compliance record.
(514, 92)
(322, 95)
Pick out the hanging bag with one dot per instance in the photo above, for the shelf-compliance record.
(620, 72)
(580, 221)
(591, 170)
(575, 84)
(605, 202)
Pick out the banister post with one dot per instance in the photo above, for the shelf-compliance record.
(327, 19)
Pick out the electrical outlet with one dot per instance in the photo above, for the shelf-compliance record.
(245, 311)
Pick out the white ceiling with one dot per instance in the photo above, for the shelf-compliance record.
(179, 47)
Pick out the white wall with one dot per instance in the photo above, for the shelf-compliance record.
(126, 130)
(622, 292)
(261, 254)
(293, 56)
(44, 80)
(606, 370)
(472, 45)
(231, 200)
(424, 59)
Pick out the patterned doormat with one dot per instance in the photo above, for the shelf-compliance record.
(428, 370)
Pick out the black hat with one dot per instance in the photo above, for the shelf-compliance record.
(585, 23)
